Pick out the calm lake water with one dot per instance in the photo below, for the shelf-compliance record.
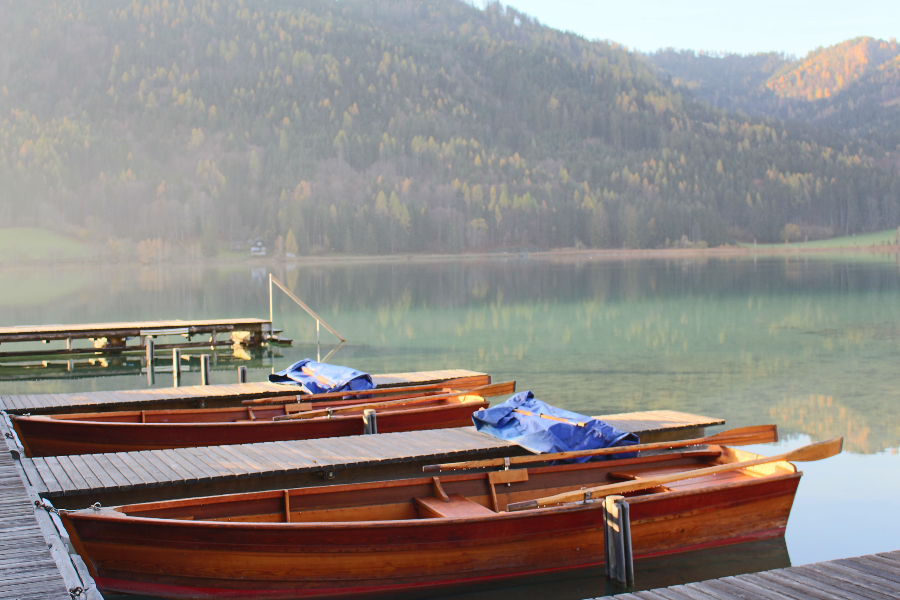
(810, 344)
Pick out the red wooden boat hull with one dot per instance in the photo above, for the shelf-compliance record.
(214, 559)
(42, 436)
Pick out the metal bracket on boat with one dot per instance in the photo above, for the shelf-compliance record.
(587, 498)
(330, 412)
(329, 473)
(617, 538)
(506, 466)
(77, 592)
(95, 506)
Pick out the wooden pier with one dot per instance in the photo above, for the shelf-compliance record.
(209, 396)
(125, 477)
(113, 337)
(871, 577)
(28, 571)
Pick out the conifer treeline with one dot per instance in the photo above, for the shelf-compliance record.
(383, 126)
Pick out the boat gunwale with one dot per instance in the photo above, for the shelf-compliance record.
(111, 514)
(86, 422)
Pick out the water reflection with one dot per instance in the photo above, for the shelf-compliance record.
(809, 344)
(747, 340)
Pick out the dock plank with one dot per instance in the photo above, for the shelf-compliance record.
(288, 460)
(27, 569)
(263, 454)
(872, 577)
(162, 461)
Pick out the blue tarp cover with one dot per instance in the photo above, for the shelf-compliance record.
(323, 377)
(543, 435)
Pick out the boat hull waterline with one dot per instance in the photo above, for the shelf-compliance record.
(329, 557)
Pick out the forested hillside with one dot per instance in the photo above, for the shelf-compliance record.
(376, 126)
(852, 87)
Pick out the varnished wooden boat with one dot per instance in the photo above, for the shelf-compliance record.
(417, 535)
(91, 433)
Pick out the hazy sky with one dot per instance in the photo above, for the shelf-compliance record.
(793, 26)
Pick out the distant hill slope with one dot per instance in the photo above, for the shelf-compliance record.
(852, 87)
(371, 126)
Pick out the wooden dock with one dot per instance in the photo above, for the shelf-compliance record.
(27, 569)
(871, 577)
(209, 396)
(113, 337)
(125, 477)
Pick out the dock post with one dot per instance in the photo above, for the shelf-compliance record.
(176, 366)
(370, 422)
(204, 369)
(242, 374)
(617, 538)
(151, 371)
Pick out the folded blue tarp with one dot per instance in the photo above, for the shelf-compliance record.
(319, 378)
(544, 435)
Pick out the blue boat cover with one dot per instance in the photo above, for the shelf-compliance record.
(319, 378)
(544, 435)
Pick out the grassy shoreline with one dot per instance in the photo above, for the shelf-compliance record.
(849, 246)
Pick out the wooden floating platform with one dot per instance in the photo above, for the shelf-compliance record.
(871, 577)
(210, 396)
(113, 336)
(27, 569)
(125, 477)
(662, 425)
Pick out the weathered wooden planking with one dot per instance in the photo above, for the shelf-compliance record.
(27, 570)
(163, 474)
(209, 395)
(35, 333)
(108, 472)
(872, 577)
(662, 425)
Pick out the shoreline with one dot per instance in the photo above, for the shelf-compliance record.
(560, 253)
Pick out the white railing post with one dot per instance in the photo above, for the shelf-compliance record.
(301, 304)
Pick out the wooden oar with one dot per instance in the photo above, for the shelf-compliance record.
(804, 454)
(494, 389)
(459, 384)
(741, 436)
(548, 417)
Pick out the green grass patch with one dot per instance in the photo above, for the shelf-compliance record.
(876, 238)
(30, 244)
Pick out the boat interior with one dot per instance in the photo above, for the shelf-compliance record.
(476, 494)
(264, 412)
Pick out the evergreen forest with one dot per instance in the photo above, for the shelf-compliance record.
(401, 126)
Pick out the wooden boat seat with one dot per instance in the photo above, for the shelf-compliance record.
(432, 507)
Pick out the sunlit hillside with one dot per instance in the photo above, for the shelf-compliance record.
(391, 126)
(852, 88)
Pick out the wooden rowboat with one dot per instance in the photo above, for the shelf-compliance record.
(92, 433)
(418, 535)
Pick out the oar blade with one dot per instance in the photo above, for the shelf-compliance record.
(744, 436)
(819, 451)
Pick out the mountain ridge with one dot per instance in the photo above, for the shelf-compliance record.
(392, 126)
